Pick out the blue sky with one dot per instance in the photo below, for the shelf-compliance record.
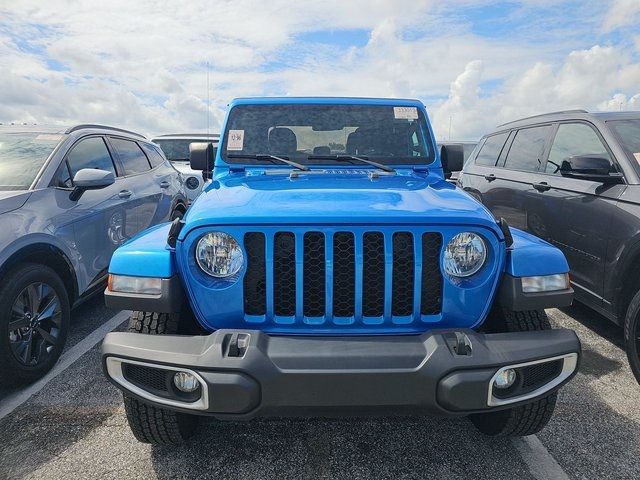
(143, 64)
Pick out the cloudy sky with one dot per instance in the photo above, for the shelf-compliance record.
(475, 63)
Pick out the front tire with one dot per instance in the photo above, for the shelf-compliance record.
(151, 424)
(632, 335)
(525, 419)
(34, 322)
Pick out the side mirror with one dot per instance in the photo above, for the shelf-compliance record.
(90, 179)
(589, 167)
(201, 157)
(452, 157)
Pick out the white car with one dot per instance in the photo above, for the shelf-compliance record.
(176, 149)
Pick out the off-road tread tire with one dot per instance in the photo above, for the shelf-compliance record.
(148, 423)
(154, 323)
(529, 418)
(11, 372)
(158, 426)
(632, 318)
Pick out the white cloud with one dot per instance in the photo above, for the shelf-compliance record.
(621, 13)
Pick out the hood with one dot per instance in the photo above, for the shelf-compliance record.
(12, 199)
(340, 198)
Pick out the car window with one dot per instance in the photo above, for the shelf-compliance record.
(89, 153)
(131, 156)
(628, 133)
(574, 139)
(153, 155)
(491, 149)
(527, 149)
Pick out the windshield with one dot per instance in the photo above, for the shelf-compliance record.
(22, 155)
(177, 150)
(628, 132)
(385, 134)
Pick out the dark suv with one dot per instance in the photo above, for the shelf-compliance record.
(573, 179)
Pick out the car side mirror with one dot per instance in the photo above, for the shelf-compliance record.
(589, 167)
(201, 157)
(90, 179)
(452, 157)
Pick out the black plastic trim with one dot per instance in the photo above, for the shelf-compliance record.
(170, 299)
(512, 297)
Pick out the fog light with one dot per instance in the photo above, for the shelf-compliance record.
(185, 382)
(505, 378)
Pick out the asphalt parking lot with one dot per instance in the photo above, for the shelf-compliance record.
(72, 425)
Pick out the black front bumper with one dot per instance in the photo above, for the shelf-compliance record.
(260, 375)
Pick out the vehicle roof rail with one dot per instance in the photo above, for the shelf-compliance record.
(577, 110)
(83, 126)
(188, 135)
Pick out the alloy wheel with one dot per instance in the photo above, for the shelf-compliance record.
(35, 324)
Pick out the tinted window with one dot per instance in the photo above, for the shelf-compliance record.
(491, 149)
(574, 139)
(22, 155)
(153, 155)
(527, 148)
(628, 132)
(317, 134)
(89, 153)
(132, 157)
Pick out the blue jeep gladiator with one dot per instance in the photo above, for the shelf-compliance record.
(330, 269)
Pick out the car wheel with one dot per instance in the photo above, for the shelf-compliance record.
(151, 424)
(632, 335)
(34, 321)
(525, 419)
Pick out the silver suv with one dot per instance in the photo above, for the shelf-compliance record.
(68, 199)
(176, 148)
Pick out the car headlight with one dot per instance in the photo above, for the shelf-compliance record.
(465, 254)
(219, 255)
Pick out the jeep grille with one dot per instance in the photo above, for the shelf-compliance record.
(344, 276)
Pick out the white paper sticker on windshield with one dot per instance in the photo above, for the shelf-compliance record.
(408, 113)
(235, 140)
(637, 157)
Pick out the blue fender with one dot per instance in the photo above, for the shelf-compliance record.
(530, 256)
(145, 255)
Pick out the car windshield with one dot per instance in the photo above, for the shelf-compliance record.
(176, 150)
(22, 155)
(628, 132)
(385, 134)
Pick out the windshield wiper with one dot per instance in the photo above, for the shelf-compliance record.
(264, 156)
(343, 158)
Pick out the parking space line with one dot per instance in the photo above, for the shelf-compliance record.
(540, 462)
(13, 401)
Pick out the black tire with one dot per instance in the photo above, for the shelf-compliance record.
(46, 338)
(151, 424)
(632, 335)
(525, 419)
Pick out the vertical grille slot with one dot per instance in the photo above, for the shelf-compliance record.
(314, 275)
(431, 295)
(284, 274)
(255, 290)
(403, 274)
(373, 274)
(344, 274)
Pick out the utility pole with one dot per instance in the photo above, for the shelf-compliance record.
(450, 127)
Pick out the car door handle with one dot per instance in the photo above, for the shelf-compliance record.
(490, 178)
(542, 186)
(125, 193)
(165, 184)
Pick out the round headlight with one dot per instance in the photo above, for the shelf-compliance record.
(219, 255)
(465, 254)
(192, 183)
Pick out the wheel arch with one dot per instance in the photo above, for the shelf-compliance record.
(625, 272)
(50, 256)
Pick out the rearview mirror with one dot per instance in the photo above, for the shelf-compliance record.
(90, 179)
(201, 157)
(589, 167)
(452, 157)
